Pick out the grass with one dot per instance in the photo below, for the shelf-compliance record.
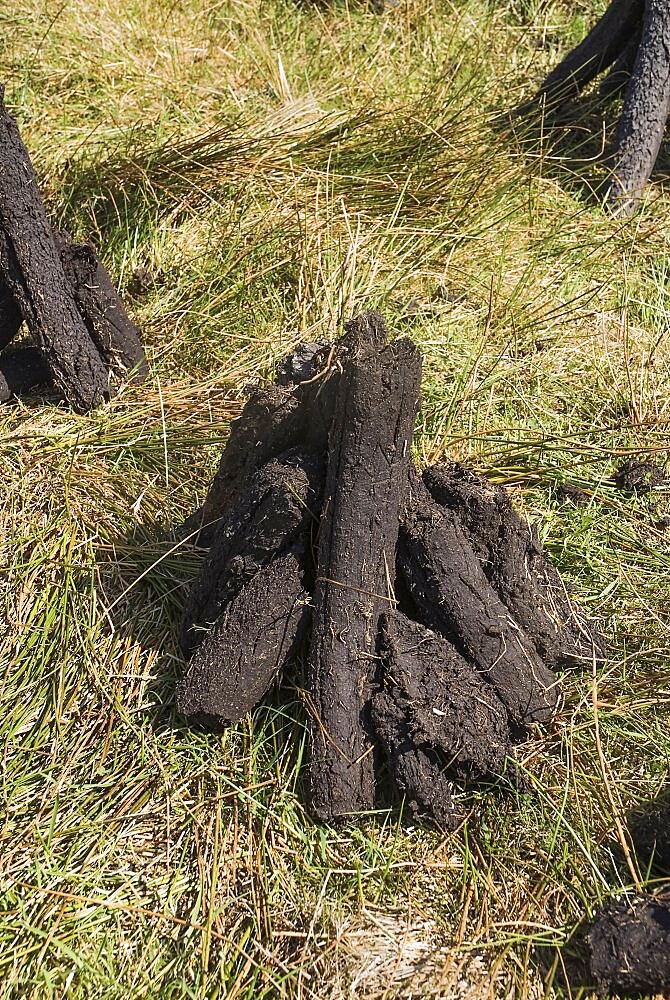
(276, 166)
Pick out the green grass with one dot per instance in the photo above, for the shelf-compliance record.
(277, 166)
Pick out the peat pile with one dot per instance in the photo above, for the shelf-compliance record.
(630, 47)
(433, 622)
(82, 337)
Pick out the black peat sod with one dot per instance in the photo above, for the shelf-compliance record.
(629, 945)
(81, 334)
(631, 42)
(432, 623)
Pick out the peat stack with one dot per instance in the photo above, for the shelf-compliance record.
(630, 45)
(82, 337)
(432, 623)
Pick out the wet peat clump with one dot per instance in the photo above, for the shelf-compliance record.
(81, 336)
(630, 45)
(432, 621)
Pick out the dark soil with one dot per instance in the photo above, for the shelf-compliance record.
(639, 477)
(630, 947)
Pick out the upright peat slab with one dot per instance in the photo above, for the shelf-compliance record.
(368, 452)
(33, 273)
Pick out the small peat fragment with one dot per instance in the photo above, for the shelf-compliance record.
(302, 365)
(141, 282)
(510, 552)
(638, 477)
(567, 493)
(259, 631)
(21, 369)
(452, 594)
(436, 719)
(282, 498)
(368, 451)
(630, 947)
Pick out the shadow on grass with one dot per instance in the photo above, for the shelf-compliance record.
(143, 581)
(573, 143)
(567, 969)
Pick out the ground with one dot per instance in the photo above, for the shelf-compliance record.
(253, 173)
